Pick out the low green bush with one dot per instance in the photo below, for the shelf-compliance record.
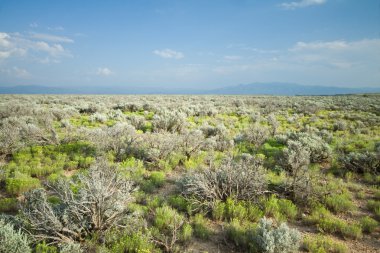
(287, 208)
(339, 203)
(232, 209)
(239, 232)
(200, 227)
(327, 223)
(180, 203)
(368, 224)
(170, 227)
(186, 232)
(44, 248)
(352, 231)
(280, 209)
(8, 205)
(374, 206)
(323, 244)
(157, 178)
(134, 243)
(20, 183)
(376, 194)
(41, 161)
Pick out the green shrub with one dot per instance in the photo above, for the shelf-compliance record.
(374, 206)
(12, 241)
(44, 248)
(339, 203)
(319, 212)
(238, 234)
(134, 243)
(169, 227)
(186, 232)
(40, 161)
(287, 208)
(154, 202)
(254, 212)
(377, 194)
(330, 225)
(20, 183)
(167, 218)
(8, 205)
(53, 178)
(368, 224)
(352, 231)
(280, 209)
(327, 223)
(200, 227)
(323, 244)
(233, 209)
(218, 210)
(157, 178)
(272, 208)
(360, 194)
(180, 203)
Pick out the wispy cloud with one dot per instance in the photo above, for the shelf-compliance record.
(52, 38)
(232, 57)
(104, 71)
(4, 40)
(332, 45)
(16, 72)
(169, 53)
(33, 25)
(338, 62)
(301, 4)
(38, 47)
(339, 53)
(246, 47)
(56, 28)
(54, 50)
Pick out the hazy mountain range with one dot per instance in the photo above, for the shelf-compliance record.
(286, 89)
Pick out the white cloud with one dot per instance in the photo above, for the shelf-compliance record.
(168, 53)
(339, 54)
(51, 38)
(33, 25)
(16, 72)
(56, 28)
(4, 54)
(232, 57)
(38, 48)
(333, 45)
(54, 50)
(337, 62)
(104, 72)
(4, 40)
(20, 73)
(301, 4)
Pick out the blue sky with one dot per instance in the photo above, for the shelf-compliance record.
(189, 43)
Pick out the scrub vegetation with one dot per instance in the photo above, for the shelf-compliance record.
(189, 173)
